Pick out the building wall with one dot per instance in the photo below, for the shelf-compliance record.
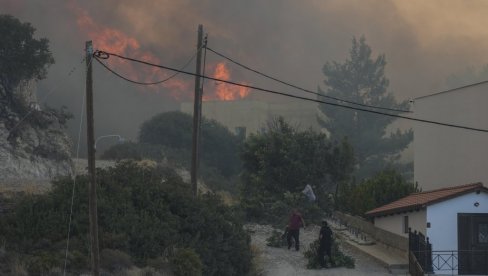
(394, 223)
(443, 219)
(446, 156)
(254, 115)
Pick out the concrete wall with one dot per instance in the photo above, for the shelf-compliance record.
(443, 231)
(254, 115)
(417, 220)
(232, 114)
(446, 156)
(380, 235)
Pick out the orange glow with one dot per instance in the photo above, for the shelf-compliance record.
(224, 91)
(115, 41)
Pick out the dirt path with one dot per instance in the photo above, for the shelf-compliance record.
(283, 262)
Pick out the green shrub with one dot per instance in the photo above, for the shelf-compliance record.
(158, 263)
(114, 260)
(143, 211)
(43, 262)
(149, 271)
(277, 165)
(186, 262)
(276, 209)
(339, 259)
(78, 261)
(173, 130)
(384, 187)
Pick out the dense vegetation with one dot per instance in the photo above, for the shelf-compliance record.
(338, 258)
(147, 216)
(361, 79)
(174, 130)
(168, 136)
(385, 187)
(280, 162)
(24, 59)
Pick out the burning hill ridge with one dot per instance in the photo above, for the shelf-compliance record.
(116, 41)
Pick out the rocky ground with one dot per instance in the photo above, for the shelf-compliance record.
(283, 262)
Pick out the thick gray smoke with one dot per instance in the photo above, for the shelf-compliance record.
(424, 42)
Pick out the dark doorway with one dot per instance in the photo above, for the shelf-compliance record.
(473, 244)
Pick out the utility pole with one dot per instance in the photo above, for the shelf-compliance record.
(90, 138)
(197, 110)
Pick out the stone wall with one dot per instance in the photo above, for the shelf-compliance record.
(381, 236)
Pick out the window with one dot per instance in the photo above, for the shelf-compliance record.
(405, 224)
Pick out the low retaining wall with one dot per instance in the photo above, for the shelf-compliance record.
(382, 236)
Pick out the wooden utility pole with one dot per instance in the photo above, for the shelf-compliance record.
(197, 109)
(90, 139)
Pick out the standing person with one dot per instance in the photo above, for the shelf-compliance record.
(325, 239)
(296, 221)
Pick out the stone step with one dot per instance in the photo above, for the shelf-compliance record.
(398, 269)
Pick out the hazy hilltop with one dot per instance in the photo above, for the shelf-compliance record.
(33, 144)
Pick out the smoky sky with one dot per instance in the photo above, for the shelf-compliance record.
(424, 42)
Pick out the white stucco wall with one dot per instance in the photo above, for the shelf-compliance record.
(394, 223)
(254, 115)
(443, 219)
(232, 114)
(446, 156)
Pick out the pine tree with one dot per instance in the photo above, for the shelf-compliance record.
(361, 78)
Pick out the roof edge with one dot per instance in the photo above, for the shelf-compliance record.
(475, 186)
(410, 208)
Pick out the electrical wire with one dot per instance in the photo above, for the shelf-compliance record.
(303, 89)
(100, 55)
(298, 97)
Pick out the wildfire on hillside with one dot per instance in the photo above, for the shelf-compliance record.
(115, 41)
(224, 91)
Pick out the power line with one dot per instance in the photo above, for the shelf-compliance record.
(100, 55)
(298, 97)
(301, 88)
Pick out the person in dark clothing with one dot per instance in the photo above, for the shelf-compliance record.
(293, 229)
(325, 239)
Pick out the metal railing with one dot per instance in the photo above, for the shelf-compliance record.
(453, 261)
(446, 260)
(420, 246)
(414, 268)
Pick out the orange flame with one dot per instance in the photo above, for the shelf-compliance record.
(224, 91)
(115, 41)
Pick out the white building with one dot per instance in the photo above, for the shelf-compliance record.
(446, 156)
(455, 219)
(250, 116)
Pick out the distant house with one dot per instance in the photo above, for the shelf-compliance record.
(455, 219)
(446, 156)
(244, 117)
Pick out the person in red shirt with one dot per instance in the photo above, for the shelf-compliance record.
(293, 230)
